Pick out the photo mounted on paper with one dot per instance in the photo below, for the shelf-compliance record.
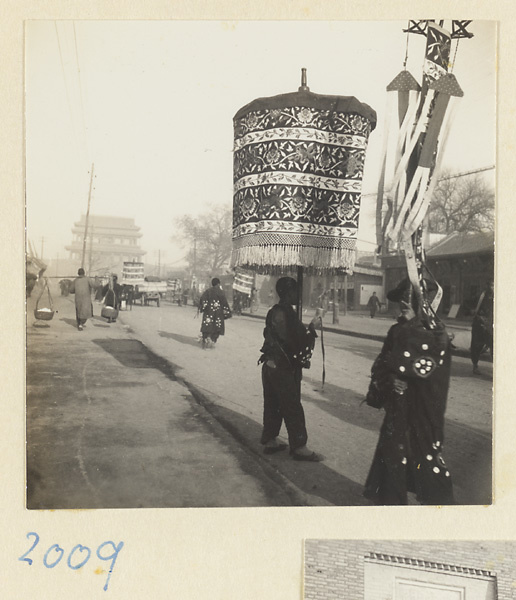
(255, 278)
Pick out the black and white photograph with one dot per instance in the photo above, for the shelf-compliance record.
(263, 275)
(409, 570)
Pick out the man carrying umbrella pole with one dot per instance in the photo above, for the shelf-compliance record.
(297, 172)
(287, 349)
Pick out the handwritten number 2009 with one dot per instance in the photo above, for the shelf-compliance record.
(78, 556)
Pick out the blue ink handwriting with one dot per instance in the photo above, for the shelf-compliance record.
(78, 557)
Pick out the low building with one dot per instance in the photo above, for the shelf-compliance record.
(462, 263)
(409, 570)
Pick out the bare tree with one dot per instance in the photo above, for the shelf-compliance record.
(461, 203)
(209, 239)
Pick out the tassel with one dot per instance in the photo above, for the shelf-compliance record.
(285, 257)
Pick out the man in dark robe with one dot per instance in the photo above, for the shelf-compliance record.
(482, 326)
(82, 288)
(410, 380)
(215, 309)
(373, 304)
(111, 293)
(287, 349)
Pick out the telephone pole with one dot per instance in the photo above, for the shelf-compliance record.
(86, 222)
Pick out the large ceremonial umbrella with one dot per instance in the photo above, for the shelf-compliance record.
(298, 164)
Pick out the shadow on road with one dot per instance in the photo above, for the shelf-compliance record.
(94, 321)
(41, 324)
(346, 405)
(133, 354)
(319, 484)
(182, 339)
(464, 370)
(465, 446)
(71, 322)
(368, 351)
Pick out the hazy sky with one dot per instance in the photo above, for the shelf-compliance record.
(151, 104)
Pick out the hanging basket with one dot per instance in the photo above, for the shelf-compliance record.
(44, 313)
(108, 312)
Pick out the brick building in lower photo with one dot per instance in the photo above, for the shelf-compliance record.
(409, 570)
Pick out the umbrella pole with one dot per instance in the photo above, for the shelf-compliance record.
(299, 306)
(300, 293)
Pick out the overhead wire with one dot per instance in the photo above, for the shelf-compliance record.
(65, 81)
(78, 121)
(83, 112)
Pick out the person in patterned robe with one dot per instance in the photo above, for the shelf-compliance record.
(287, 349)
(215, 309)
(408, 456)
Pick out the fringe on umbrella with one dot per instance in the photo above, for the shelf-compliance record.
(268, 259)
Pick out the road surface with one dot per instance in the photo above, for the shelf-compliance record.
(144, 417)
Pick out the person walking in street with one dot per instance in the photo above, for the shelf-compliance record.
(482, 326)
(373, 304)
(287, 349)
(82, 287)
(410, 380)
(111, 294)
(237, 302)
(215, 310)
(97, 286)
(253, 300)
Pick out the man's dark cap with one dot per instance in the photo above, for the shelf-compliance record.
(284, 285)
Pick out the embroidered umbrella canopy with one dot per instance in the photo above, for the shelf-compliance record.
(298, 164)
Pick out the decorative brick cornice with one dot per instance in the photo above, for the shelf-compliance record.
(428, 564)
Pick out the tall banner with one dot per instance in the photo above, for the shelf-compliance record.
(243, 282)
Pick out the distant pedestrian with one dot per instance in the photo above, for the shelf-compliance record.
(270, 298)
(64, 285)
(373, 304)
(215, 310)
(237, 302)
(287, 349)
(410, 380)
(82, 287)
(194, 295)
(97, 286)
(482, 326)
(253, 302)
(111, 293)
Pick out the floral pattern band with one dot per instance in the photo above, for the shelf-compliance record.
(297, 186)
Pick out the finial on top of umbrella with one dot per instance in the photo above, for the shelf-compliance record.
(303, 87)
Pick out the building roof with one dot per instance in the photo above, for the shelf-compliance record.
(426, 564)
(107, 222)
(458, 244)
(368, 270)
(368, 264)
